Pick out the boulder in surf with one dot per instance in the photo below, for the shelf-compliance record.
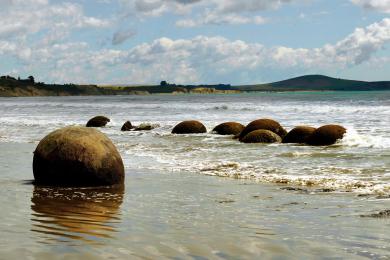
(299, 134)
(261, 136)
(228, 128)
(77, 156)
(98, 121)
(189, 127)
(263, 124)
(326, 135)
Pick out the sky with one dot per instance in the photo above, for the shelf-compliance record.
(194, 41)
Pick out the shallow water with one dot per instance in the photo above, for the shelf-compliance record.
(278, 200)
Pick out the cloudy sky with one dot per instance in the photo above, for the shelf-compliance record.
(194, 41)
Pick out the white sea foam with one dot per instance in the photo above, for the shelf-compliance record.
(353, 138)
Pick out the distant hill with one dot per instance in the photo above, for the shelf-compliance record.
(317, 83)
(12, 87)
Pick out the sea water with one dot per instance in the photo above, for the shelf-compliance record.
(276, 201)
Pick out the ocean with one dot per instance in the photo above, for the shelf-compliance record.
(204, 196)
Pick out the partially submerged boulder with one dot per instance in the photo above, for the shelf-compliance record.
(189, 127)
(127, 126)
(263, 124)
(98, 121)
(229, 128)
(327, 135)
(299, 134)
(77, 156)
(261, 136)
(146, 127)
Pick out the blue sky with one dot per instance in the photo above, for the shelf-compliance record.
(194, 41)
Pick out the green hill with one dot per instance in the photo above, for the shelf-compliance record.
(318, 83)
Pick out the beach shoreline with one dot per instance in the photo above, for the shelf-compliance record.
(203, 195)
(187, 214)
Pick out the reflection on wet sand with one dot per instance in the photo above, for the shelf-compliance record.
(76, 214)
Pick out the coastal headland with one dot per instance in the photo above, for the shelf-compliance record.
(16, 87)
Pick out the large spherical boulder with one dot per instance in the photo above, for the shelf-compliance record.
(261, 136)
(98, 121)
(229, 128)
(327, 135)
(127, 126)
(77, 156)
(263, 124)
(189, 127)
(299, 135)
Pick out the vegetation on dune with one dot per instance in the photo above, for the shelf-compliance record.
(10, 86)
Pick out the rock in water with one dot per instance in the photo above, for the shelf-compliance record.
(263, 124)
(77, 156)
(299, 135)
(127, 126)
(146, 127)
(98, 121)
(229, 128)
(261, 136)
(189, 127)
(327, 135)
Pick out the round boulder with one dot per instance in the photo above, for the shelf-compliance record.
(127, 126)
(299, 135)
(229, 128)
(77, 156)
(326, 135)
(263, 124)
(189, 127)
(146, 127)
(261, 136)
(98, 121)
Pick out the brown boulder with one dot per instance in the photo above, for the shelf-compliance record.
(263, 124)
(127, 126)
(327, 135)
(229, 128)
(261, 136)
(299, 134)
(146, 127)
(98, 121)
(189, 127)
(77, 156)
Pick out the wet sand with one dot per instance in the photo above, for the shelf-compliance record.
(183, 216)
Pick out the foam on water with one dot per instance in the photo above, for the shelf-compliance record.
(353, 138)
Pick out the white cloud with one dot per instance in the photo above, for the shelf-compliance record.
(363, 42)
(377, 5)
(24, 18)
(220, 55)
(233, 6)
(215, 19)
(210, 11)
(157, 7)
